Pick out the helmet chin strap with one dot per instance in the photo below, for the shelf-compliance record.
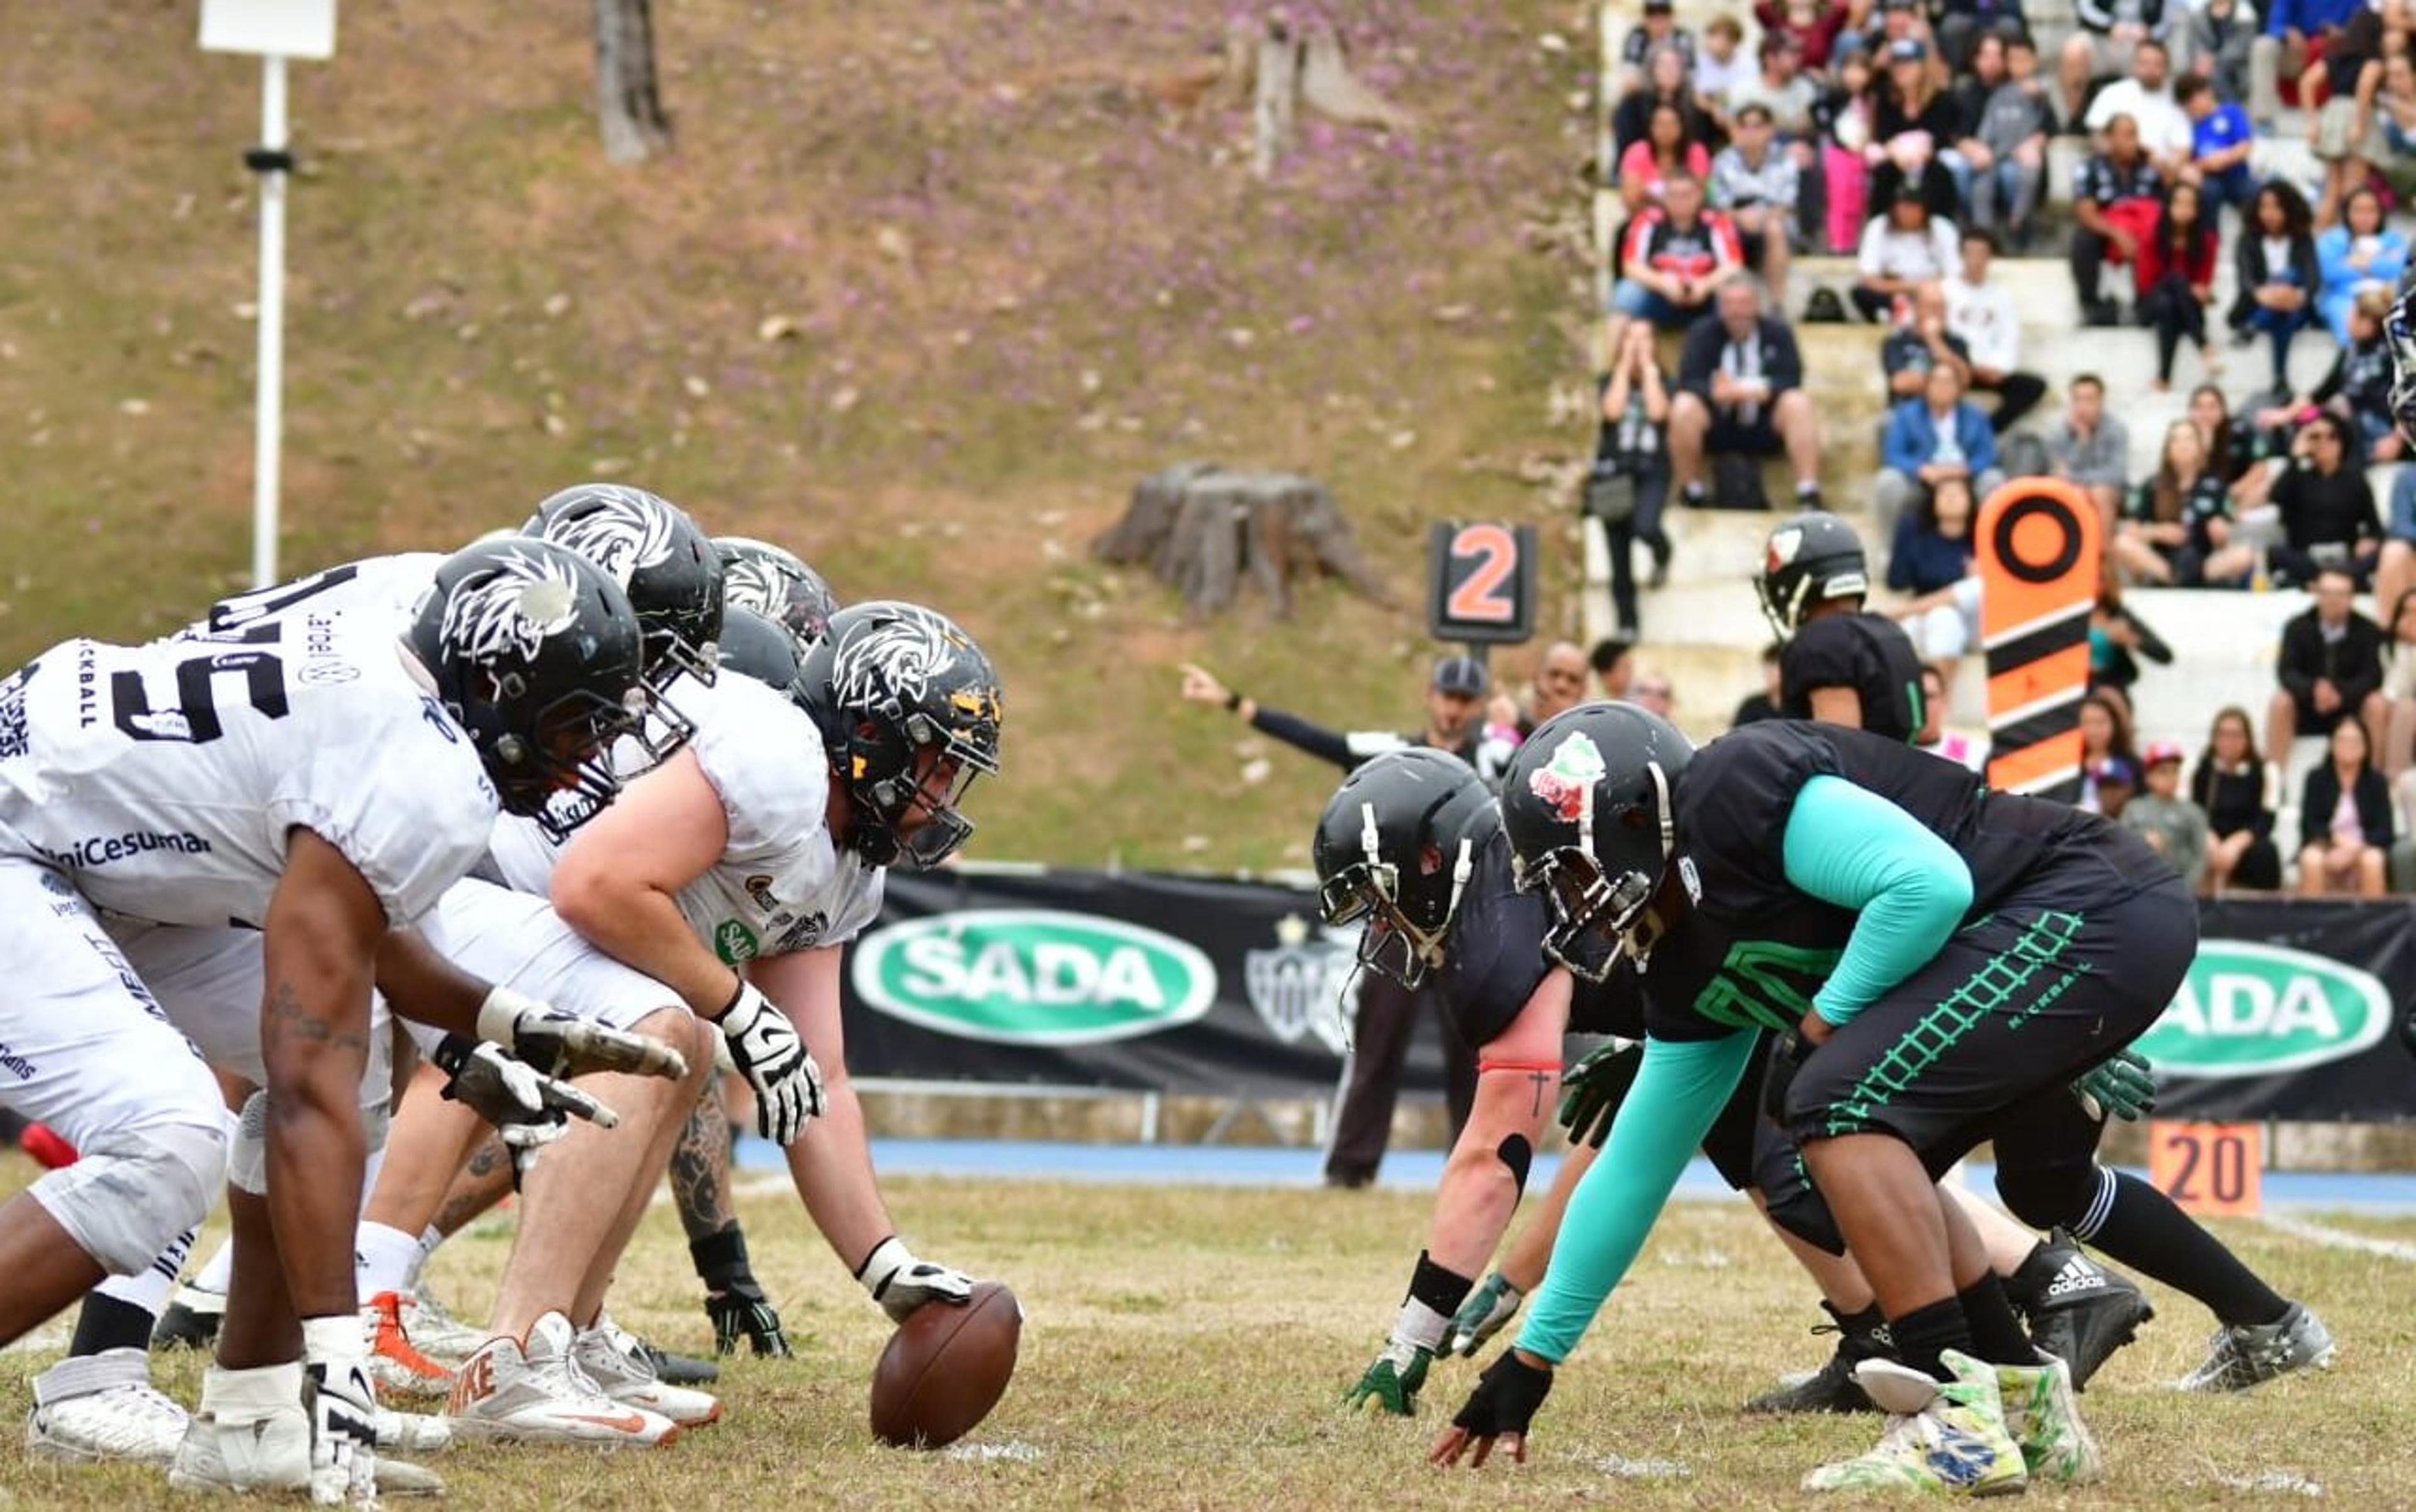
(1430, 945)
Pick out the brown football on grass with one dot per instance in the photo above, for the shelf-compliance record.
(945, 1367)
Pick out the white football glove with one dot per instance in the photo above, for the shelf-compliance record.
(764, 1044)
(901, 1283)
(529, 1109)
(343, 1411)
(564, 1044)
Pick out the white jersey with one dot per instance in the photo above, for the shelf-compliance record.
(163, 780)
(781, 884)
(387, 585)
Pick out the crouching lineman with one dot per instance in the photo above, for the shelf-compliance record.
(322, 782)
(1905, 926)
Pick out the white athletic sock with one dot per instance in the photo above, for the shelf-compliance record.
(148, 1289)
(217, 1271)
(382, 1259)
(430, 1237)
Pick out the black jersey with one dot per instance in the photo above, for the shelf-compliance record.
(1867, 653)
(1760, 946)
(1496, 960)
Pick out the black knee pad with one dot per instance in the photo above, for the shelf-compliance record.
(1518, 1155)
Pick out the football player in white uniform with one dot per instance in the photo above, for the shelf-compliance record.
(321, 782)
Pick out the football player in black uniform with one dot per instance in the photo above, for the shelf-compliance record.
(1942, 961)
(1841, 663)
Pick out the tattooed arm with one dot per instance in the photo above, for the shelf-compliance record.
(321, 940)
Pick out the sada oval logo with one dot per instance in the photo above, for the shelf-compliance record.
(2256, 1010)
(1033, 976)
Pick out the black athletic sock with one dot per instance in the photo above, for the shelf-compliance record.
(1923, 1334)
(107, 1323)
(721, 1258)
(2144, 1231)
(1996, 1335)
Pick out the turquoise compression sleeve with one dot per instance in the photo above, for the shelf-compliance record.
(1848, 846)
(1679, 1091)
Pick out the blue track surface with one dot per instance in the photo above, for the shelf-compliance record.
(1196, 1165)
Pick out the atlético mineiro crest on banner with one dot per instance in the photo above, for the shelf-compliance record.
(1306, 985)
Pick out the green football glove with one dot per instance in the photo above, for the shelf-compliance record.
(1591, 1091)
(1493, 1303)
(1393, 1380)
(2123, 1087)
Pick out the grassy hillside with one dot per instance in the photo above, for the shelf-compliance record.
(924, 289)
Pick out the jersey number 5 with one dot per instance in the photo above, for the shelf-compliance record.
(194, 715)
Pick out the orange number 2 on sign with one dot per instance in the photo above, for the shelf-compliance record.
(1478, 598)
(2209, 1167)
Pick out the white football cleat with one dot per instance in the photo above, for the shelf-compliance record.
(616, 1363)
(251, 1433)
(102, 1407)
(434, 1331)
(511, 1393)
(414, 1432)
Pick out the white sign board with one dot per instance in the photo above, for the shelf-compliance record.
(283, 28)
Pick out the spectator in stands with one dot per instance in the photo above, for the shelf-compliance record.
(2116, 197)
(1613, 664)
(1755, 183)
(1919, 342)
(2232, 446)
(2106, 45)
(2331, 670)
(1658, 30)
(1647, 166)
(2229, 785)
(2091, 448)
(2362, 252)
(1741, 393)
(2329, 523)
(2278, 274)
(2221, 141)
(1913, 131)
(2219, 35)
(2146, 97)
(2178, 530)
(1677, 255)
(2175, 279)
(2394, 569)
(1665, 82)
(2345, 822)
(1655, 694)
(1632, 458)
(2297, 32)
(1903, 248)
(2358, 386)
(2011, 133)
(1812, 25)
(2117, 639)
(1846, 112)
(2399, 687)
(2173, 825)
(2394, 109)
(1719, 64)
(1981, 316)
(2109, 765)
(1970, 83)
(2351, 70)
(1762, 703)
(1934, 737)
(1560, 684)
(1784, 90)
(1938, 461)
(1965, 29)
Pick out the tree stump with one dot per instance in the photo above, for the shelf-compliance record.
(1206, 529)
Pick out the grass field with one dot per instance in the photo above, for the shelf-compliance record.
(1185, 1348)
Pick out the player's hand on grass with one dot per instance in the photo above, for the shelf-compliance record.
(563, 1043)
(2123, 1087)
(1392, 1382)
(764, 1044)
(1499, 1413)
(1591, 1092)
(901, 1283)
(1493, 1303)
(743, 1311)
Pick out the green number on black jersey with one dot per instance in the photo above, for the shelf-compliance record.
(1766, 985)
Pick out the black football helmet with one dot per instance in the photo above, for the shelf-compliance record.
(886, 683)
(535, 653)
(1812, 557)
(753, 646)
(655, 552)
(776, 582)
(1587, 806)
(1395, 847)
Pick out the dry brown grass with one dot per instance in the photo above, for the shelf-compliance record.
(1186, 1349)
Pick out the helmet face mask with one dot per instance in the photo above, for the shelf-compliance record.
(1596, 919)
(1395, 850)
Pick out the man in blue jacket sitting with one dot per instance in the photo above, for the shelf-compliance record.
(1934, 443)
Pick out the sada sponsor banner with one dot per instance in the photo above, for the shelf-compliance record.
(2291, 1010)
